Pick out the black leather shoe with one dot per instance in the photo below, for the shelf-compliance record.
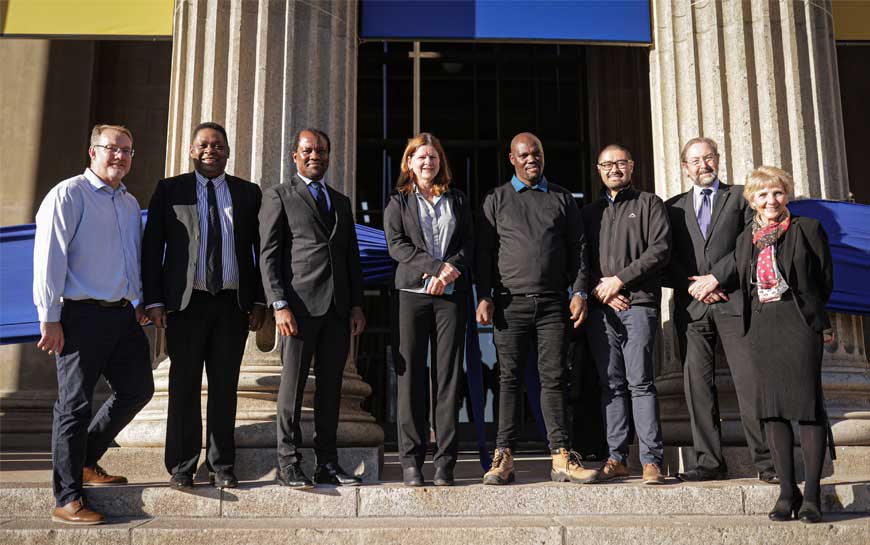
(224, 479)
(784, 510)
(768, 477)
(810, 512)
(331, 473)
(702, 474)
(443, 477)
(294, 477)
(412, 476)
(181, 481)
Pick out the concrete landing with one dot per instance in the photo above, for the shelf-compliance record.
(504, 530)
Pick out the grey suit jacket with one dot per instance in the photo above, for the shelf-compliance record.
(691, 255)
(301, 261)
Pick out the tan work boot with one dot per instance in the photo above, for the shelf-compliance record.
(613, 470)
(76, 513)
(652, 474)
(502, 470)
(97, 476)
(567, 467)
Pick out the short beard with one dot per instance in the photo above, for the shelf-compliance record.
(700, 182)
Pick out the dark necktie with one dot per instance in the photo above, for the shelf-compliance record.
(705, 212)
(214, 272)
(319, 194)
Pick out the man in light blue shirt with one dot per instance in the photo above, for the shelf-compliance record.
(86, 289)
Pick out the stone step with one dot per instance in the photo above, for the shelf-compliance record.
(505, 530)
(265, 499)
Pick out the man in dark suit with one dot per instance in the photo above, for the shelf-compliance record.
(313, 279)
(201, 282)
(706, 221)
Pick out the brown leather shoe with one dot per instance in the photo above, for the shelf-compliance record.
(76, 513)
(652, 474)
(613, 470)
(568, 468)
(97, 476)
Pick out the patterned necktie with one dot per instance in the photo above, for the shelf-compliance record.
(214, 274)
(704, 212)
(319, 194)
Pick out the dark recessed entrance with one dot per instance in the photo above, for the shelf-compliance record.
(475, 97)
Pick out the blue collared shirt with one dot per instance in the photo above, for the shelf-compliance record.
(308, 183)
(87, 245)
(519, 186)
(699, 198)
(228, 243)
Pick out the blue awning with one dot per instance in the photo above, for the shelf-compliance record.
(623, 21)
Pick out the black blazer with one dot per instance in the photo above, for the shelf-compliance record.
(170, 245)
(804, 259)
(407, 246)
(691, 255)
(302, 262)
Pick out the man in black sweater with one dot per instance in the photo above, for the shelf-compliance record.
(629, 245)
(531, 251)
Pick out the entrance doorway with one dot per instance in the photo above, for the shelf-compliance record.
(475, 97)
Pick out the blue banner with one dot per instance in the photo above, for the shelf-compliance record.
(624, 21)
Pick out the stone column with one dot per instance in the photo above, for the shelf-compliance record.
(761, 79)
(265, 69)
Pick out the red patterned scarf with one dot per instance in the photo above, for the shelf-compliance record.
(771, 285)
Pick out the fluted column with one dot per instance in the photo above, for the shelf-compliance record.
(761, 79)
(265, 69)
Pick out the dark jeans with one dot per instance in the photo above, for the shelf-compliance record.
(98, 341)
(211, 331)
(698, 340)
(326, 339)
(520, 321)
(622, 344)
(441, 320)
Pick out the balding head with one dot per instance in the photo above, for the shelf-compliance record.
(527, 157)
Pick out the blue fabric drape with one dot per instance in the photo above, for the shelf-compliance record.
(18, 319)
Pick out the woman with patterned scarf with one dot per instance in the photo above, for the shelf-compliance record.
(786, 274)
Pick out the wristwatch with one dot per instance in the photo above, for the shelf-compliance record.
(278, 305)
(581, 294)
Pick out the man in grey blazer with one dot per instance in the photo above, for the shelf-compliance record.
(705, 222)
(313, 279)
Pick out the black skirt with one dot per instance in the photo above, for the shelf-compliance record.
(787, 363)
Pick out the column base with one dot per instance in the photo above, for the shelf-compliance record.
(145, 464)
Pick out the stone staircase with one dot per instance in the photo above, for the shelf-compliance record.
(262, 513)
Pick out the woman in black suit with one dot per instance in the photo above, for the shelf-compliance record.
(429, 233)
(786, 274)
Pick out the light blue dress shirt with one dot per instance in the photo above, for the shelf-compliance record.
(87, 245)
(437, 223)
(698, 198)
(230, 271)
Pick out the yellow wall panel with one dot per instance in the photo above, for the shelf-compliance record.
(851, 20)
(86, 17)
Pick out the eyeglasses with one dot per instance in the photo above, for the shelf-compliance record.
(622, 164)
(698, 161)
(126, 152)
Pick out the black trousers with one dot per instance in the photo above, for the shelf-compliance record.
(212, 330)
(326, 339)
(441, 321)
(589, 435)
(520, 321)
(98, 341)
(698, 340)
